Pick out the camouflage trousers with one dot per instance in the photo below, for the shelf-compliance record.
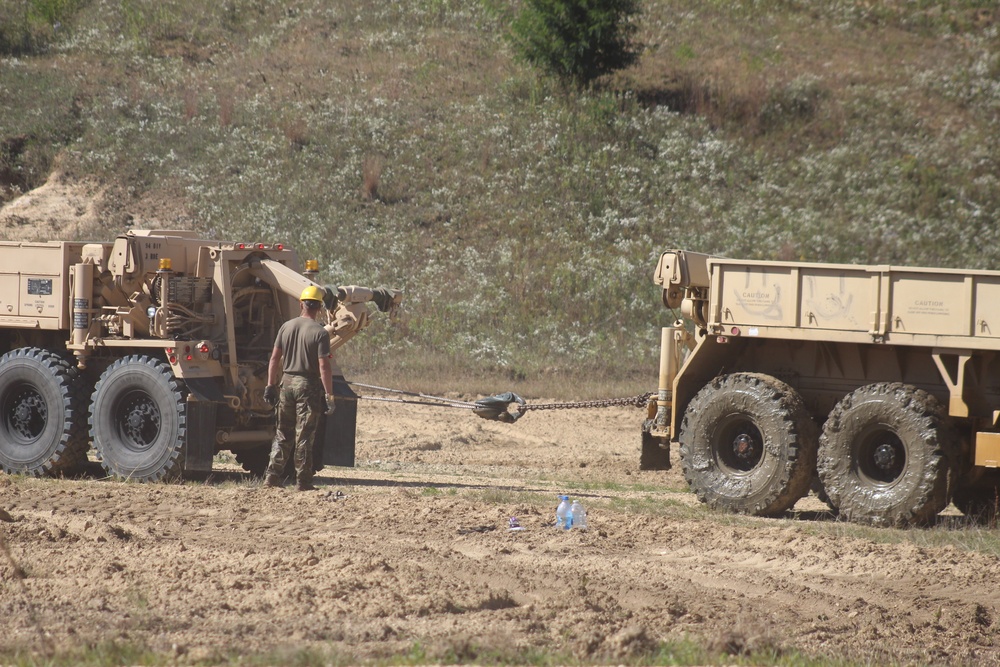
(301, 402)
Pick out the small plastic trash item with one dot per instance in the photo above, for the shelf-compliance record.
(579, 515)
(563, 518)
(515, 525)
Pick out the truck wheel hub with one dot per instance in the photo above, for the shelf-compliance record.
(29, 415)
(885, 456)
(744, 447)
(142, 423)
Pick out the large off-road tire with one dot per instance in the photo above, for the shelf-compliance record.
(886, 455)
(748, 445)
(138, 420)
(42, 420)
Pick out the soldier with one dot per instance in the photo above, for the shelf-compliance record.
(302, 352)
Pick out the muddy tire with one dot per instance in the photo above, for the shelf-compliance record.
(138, 420)
(748, 445)
(885, 455)
(42, 419)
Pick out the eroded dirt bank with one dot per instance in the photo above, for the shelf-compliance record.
(417, 551)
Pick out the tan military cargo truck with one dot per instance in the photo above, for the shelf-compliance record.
(877, 386)
(154, 349)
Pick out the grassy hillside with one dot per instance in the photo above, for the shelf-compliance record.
(401, 143)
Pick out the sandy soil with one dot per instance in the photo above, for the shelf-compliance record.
(417, 551)
(412, 548)
(60, 209)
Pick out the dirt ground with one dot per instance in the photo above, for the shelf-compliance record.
(412, 548)
(410, 552)
(59, 209)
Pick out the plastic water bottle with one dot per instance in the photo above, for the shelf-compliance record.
(563, 517)
(579, 515)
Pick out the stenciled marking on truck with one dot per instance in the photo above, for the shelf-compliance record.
(928, 307)
(761, 300)
(827, 307)
(151, 250)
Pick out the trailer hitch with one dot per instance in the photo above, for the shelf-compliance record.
(497, 408)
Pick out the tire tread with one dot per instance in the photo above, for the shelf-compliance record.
(797, 432)
(71, 450)
(173, 466)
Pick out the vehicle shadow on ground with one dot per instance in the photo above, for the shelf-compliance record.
(812, 515)
(92, 470)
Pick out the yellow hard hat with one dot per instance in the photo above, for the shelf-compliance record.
(312, 293)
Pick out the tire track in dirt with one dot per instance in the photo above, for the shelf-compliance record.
(417, 551)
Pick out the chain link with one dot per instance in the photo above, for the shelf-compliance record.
(639, 401)
(497, 407)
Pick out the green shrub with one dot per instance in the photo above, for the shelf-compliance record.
(577, 41)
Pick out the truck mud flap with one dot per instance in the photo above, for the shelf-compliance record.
(653, 456)
(199, 448)
(340, 429)
(205, 389)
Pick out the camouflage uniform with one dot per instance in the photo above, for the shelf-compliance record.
(301, 402)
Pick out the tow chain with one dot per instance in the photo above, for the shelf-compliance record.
(441, 401)
(639, 401)
(497, 407)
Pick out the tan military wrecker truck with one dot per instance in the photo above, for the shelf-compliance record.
(878, 386)
(154, 349)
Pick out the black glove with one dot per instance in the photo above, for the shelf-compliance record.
(383, 298)
(330, 299)
(271, 395)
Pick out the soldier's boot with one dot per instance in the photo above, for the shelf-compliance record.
(304, 485)
(272, 481)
